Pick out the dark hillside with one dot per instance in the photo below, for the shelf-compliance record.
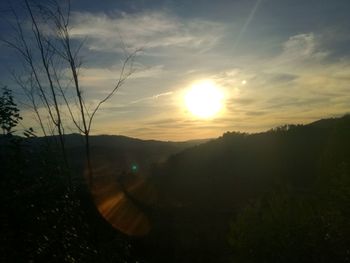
(205, 186)
(246, 164)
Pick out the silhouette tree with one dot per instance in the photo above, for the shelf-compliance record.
(52, 65)
(9, 113)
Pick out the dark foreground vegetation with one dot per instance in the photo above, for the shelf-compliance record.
(278, 196)
(47, 212)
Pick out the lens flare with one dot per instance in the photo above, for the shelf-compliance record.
(121, 198)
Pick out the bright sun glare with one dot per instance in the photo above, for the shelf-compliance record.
(204, 99)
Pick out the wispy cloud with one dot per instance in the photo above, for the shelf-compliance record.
(295, 85)
(146, 30)
(151, 98)
(301, 48)
(101, 80)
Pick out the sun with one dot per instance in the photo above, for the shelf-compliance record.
(204, 99)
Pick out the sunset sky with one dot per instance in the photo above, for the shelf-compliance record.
(275, 62)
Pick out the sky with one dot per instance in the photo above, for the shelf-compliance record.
(275, 61)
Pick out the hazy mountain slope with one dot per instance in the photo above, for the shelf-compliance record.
(119, 151)
(242, 164)
(201, 188)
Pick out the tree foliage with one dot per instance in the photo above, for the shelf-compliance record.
(9, 112)
(292, 226)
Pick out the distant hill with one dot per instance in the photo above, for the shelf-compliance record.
(118, 150)
(203, 187)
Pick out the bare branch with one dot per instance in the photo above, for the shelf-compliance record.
(58, 82)
(122, 78)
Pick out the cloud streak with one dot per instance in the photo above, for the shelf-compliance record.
(147, 30)
(154, 97)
